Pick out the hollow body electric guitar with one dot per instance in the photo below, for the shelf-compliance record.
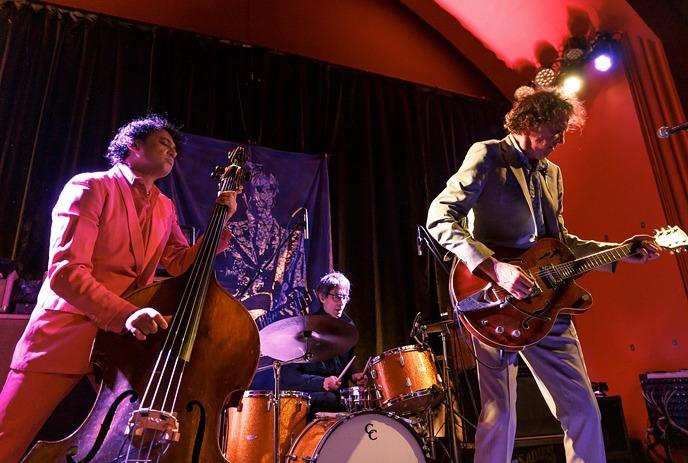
(500, 320)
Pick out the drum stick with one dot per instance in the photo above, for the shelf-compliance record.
(365, 370)
(348, 365)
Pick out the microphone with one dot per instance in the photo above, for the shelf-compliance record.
(304, 221)
(664, 131)
(416, 325)
(306, 234)
(419, 241)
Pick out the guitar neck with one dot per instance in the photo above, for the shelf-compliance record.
(577, 267)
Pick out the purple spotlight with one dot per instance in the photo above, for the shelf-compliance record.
(603, 62)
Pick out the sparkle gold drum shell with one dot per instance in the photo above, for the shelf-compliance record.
(250, 426)
(406, 379)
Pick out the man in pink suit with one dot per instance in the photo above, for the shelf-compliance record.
(110, 230)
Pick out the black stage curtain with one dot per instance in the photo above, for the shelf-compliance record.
(69, 79)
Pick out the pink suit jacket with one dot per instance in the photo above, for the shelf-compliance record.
(97, 254)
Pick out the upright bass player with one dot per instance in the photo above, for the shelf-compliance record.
(110, 230)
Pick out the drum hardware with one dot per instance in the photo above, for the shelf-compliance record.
(359, 398)
(449, 395)
(275, 401)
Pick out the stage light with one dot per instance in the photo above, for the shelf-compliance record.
(546, 77)
(522, 92)
(603, 62)
(571, 84)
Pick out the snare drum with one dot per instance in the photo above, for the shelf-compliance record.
(362, 437)
(250, 427)
(406, 379)
(359, 398)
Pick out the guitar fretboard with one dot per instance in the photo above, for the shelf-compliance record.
(562, 272)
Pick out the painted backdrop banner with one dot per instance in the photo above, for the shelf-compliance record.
(270, 264)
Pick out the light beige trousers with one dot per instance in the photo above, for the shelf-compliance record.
(559, 370)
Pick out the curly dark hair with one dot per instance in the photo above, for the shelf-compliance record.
(139, 129)
(545, 107)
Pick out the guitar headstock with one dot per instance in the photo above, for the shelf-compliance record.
(671, 238)
(231, 176)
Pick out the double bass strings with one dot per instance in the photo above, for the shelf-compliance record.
(186, 319)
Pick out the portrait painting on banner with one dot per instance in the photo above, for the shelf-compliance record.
(270, 264)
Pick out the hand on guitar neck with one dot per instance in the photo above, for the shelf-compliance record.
(644, 247)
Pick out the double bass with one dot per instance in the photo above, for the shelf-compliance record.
(161, 400)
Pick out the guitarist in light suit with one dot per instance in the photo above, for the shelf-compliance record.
(507, 194)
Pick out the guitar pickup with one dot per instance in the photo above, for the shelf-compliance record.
(536, 289)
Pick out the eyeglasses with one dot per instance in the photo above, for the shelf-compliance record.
(340, 297)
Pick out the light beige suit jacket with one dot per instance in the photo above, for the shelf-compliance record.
(486, 203)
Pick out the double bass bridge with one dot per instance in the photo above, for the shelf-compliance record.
(147, 425)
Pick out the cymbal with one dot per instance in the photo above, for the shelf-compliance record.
(312, 338)
(438, 327)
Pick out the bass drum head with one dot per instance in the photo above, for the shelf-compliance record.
(367, 437)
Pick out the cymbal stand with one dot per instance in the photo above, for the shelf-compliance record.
(276, 399)
(424, 238)
(449, 397)
(429, 424)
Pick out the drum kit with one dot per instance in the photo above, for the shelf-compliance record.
(390, 417)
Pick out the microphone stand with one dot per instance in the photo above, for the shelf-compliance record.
(424, 238)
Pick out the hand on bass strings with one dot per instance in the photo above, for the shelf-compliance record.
(146, 321)
(645, 249)
(331, 384)
(510, 277)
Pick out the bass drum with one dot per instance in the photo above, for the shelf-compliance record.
(362, 437)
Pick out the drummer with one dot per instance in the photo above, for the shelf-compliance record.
(319, 379)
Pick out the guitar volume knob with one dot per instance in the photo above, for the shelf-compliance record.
(516, 333)
(499, 330)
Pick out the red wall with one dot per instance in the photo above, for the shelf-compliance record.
(638, 319)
